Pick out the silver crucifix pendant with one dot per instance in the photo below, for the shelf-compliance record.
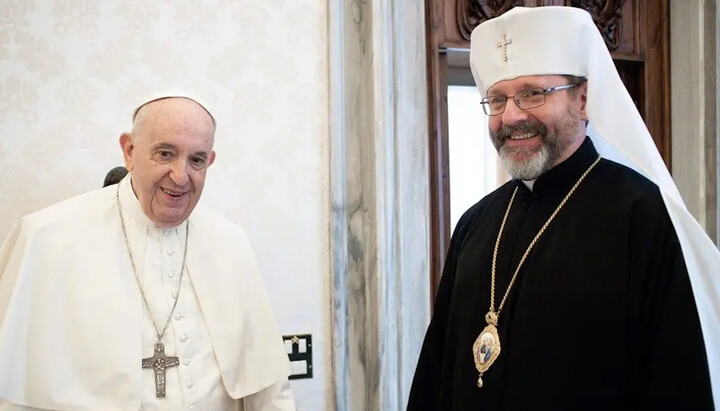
(159, 362)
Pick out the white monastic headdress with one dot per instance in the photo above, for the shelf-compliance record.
(565, 41)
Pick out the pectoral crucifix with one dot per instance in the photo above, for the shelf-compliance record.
(159, 362)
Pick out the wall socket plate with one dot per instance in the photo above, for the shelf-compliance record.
(299, 349)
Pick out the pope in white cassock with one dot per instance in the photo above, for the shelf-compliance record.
(131, 298)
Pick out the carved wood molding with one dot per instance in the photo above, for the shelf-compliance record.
(470, 13)
(607, 16)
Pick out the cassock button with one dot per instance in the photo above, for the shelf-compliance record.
(184, 338)
(186, 362)
(166, 233)
(174, 294)
(171, 274)
(190, 384)
(179, 316)
(171, 252)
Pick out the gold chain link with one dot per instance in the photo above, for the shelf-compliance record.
(532, 243)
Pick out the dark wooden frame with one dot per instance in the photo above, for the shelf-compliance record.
(438, 145)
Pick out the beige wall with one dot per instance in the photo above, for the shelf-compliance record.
(72, 71)
(694, 89)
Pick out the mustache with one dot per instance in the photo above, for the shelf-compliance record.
(529, 126)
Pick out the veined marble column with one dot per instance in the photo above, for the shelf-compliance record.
(380, 205)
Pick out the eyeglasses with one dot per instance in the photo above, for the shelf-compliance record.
(525, 99)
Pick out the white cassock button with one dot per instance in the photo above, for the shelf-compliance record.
(190, 384)
(192, 407)
(171, 252)
(186, 362)
(184, 338)
(166, 233)
(171, 274)
(179, 316)
(174, 294)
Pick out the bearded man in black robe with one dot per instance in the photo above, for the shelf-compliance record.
(573, 273)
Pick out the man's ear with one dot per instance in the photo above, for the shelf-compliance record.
(212, 158)
(127, 144)
(583, 100)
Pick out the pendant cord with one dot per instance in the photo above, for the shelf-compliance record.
(159, 333)
(532, 243)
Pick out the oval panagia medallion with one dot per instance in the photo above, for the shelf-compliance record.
(486, 350)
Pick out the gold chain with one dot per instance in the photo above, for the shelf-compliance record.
(532, 243)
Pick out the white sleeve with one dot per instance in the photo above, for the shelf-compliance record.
(6, 406)
(277, 397)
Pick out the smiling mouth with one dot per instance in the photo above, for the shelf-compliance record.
(172, 193)
(523, 136)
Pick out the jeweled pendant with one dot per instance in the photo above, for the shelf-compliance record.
(487, 346)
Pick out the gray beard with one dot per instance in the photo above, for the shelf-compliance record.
(555, 142)
(530, 169)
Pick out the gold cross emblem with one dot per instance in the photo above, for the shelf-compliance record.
(504, 43)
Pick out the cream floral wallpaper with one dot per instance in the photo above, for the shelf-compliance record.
(71, 72)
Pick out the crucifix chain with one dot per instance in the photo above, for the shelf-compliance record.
(159, 362)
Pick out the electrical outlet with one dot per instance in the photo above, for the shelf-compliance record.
(299, 349)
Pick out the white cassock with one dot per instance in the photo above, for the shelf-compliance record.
(73, 330)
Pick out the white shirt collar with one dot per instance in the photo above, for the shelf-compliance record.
(529, 184)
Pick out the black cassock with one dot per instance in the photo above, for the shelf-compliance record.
(601, 317)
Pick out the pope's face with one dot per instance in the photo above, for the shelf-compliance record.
(532, 141)
(168, 155)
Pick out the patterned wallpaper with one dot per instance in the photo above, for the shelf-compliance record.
(71, 72)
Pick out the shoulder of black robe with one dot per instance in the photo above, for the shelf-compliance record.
(425, 390)
(662, 362)
(668, 366)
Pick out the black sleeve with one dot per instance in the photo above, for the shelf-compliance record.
(670, 365)
(425, 388)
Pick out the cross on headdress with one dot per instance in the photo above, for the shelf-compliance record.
(504, 43)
